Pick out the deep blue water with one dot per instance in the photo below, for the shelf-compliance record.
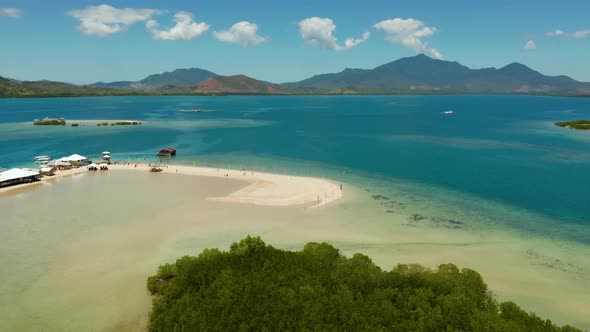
(501, 148)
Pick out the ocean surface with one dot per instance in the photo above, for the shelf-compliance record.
(493, 149)
(495, 187)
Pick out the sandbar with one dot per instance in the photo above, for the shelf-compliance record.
(265, 189)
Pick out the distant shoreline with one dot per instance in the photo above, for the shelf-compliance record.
(227, 94)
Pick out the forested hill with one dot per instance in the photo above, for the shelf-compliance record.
(421, 72)
(256, 287)
(184, 77)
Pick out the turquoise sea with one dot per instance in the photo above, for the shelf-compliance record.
(495, 187)
(496, 153)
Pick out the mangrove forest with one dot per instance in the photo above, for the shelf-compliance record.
(256, 287)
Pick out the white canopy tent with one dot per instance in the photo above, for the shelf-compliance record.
(76, 158)
(59, 163)
(15, 174)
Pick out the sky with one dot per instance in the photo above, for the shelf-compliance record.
(82, 42)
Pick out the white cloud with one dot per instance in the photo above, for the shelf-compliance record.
(10, 12)
(409, 32)
(104, 20)
(555, 33)
(185, 28)
(581, 33)
(352, 42)
(530, 45)
(319, 31)
(576, 34)
(243, 33)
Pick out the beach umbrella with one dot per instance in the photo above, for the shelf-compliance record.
(64, 159)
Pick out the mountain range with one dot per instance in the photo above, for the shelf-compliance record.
(178, 77)
(411, 75)
(424, 73)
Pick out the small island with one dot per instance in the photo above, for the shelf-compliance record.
(119, 123)
(50, 122)
(256, 287)
(80, 123)
(576, 124)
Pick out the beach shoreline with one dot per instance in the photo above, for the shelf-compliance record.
(264, 189)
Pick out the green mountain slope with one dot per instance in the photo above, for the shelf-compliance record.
(424, 73)
(178, 77)
(239, 84)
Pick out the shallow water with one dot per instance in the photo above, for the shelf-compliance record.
(86, 270)
(501, 148)
(495, 187)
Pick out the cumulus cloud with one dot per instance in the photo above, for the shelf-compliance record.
(319, 31)
(243, 33)
(104, 20)
(185, 28)
(530, 45)
(576, 34)
(409, 33)
(10, 12)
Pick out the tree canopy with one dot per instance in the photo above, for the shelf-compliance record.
(576, 124)
(255, 286)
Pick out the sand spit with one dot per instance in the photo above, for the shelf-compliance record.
(264, 189)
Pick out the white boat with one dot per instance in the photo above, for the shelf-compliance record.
(41, 159)
(448, 112)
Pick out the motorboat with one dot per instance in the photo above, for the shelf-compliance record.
(448, 112)
(167, 152)
(42, 160)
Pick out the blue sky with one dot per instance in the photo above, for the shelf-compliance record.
(283, 41)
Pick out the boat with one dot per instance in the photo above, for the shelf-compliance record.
(41, 159)
(448, 112)
(155, 168)
(167, 152)
(194, 110)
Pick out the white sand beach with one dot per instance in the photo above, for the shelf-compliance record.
(264, 188)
